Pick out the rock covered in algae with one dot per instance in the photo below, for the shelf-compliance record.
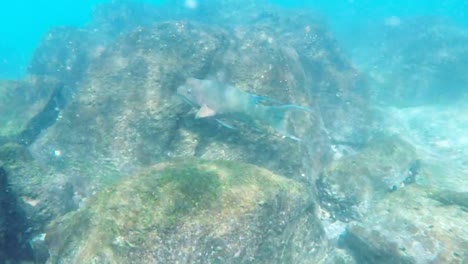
(39, 193)
(410, 227)
(349, 185)
(192, 211)
(420, 223)
(124, 114)
(26, 107)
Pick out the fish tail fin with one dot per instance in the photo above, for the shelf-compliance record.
(280, 117)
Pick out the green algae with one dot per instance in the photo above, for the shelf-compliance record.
(11, 153)
(161, 199)
(15, 112)
(190, 187)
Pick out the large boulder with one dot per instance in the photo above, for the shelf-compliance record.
(192, 211)
(391, 203)
(402, 198)
(124, 114)
(349, 186)
(410, 227)
(439, 134)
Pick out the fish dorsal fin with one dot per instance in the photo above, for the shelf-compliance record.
(205, 111)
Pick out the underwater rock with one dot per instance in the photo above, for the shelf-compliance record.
(64, 54)
(192, 211)
(348, 186)
(289, 52)
(27, 107)
(425, 221)
(292, 56)
(409, 227)
(39, 193)
(3, 221)
(13, 222)
(124, 115)
(439, 134)
(417, 61)
(322, 73)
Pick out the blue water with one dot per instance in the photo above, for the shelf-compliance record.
(24, 22)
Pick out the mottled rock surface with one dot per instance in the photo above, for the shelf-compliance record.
(13, 222)
(3, 213)
(410, 227)
(349, 186)
(439, 134)
(27, 107)
(44, 193)
(421, 217)
(123, 114)
(193, 212)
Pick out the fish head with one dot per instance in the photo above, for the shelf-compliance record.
(192, 91)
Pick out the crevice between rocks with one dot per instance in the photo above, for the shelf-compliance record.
(44, 119)
(13, 225)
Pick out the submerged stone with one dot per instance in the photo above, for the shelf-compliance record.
(348, 186)
(192, 211)
(424, 222)
(36, 194)
(410, 227)
(13, 222)
(125, 115)
(21, 102)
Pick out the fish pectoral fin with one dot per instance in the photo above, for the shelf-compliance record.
(205, 111)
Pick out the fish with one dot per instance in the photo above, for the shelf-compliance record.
(215, 99)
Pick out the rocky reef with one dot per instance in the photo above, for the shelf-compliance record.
(102, 162)
(193, 212)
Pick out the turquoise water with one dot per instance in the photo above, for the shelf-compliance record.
(24, 22)
(335, 135)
